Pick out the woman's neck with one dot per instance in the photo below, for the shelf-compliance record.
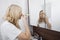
(15, 22)
(41, 20)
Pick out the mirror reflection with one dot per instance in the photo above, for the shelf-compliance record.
(45, 14)
(43, 20)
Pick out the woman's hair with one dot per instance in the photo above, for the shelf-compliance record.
(40, 20)
(13, 14)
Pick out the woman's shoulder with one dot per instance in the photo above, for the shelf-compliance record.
(6, 23)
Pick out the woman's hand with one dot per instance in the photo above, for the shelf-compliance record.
(24, 18)
(27, 30)
(47, 22)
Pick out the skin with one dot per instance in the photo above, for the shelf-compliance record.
(24, 35)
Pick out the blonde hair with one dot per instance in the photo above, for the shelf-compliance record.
(40, 20)
(12, 14)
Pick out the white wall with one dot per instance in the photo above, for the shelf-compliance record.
(55, 15)
(34, 7)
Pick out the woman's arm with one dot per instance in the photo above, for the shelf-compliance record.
(25, 35)
(49, 25)
(47, 22)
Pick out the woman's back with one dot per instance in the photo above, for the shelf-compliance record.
(9, 31)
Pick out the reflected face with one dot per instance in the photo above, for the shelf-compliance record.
(42, 15)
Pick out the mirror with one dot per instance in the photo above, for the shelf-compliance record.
(50, 8)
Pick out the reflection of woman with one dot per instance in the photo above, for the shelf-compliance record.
(43, 20)
(10, 29)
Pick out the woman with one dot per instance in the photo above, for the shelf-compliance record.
(10, 29)
(43, 20)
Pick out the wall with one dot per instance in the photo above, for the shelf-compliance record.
(55, 15)
(34, 7)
